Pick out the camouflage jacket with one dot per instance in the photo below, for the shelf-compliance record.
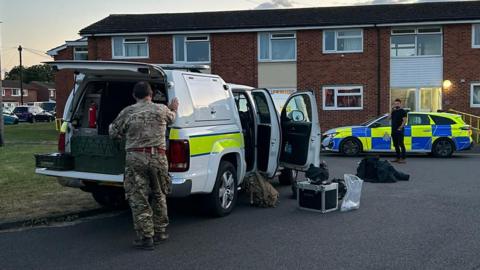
(142, 124)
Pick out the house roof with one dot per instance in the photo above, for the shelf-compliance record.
(15, 84)
(48, 85)
(79, 42)
(284, 18)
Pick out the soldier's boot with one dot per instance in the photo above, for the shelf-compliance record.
(145, 243)
(160, 237)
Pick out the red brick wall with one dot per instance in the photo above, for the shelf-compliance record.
(63, 81)
(461, 66)
(234, 57)
(30, 97)
(160, 49)
(316, 69)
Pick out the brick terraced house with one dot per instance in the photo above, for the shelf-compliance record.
(356, 59)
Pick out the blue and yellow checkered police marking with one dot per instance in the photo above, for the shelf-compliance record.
(418, 138)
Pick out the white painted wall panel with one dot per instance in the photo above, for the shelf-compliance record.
(416, 71)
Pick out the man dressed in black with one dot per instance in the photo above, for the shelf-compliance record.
(399, 120)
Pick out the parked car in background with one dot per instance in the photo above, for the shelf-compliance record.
(440, 134)
(32, 114)
(9, 118)
(48, 106)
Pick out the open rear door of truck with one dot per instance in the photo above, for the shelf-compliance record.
(103, 68)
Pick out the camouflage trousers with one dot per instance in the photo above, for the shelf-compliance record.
(146, 175)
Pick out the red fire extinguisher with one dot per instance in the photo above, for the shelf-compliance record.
(92, 115)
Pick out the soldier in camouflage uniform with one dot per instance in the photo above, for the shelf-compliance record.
(143, 126)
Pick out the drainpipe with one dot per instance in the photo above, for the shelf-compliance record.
(379, 76)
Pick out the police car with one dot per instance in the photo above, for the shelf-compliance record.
(222, 132)
(440, 134)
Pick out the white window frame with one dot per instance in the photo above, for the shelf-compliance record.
(82, 52)
(25, 92)
(52, 92)
(3, 92)
(415, 32)
(15, 90)
(472, 86)
(475, 46)
(336, 88)
(123, 48)
(325, 51)
(185, 55)
(270, 37)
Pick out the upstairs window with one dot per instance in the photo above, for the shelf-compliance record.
(277, 46)
(130, 47)
(192, 49)
(80, 53)
(476, 36)
(343, 41)
(411, 42)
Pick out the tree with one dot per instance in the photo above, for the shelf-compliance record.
(42, 73)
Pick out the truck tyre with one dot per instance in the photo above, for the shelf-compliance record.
(110, 197)
(351, 147)
(224, 195)
(443, 148)
(287, 177)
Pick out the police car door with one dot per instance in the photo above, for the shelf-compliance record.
(301, 137)
(268, 132)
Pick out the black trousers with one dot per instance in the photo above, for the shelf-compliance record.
(397, 138)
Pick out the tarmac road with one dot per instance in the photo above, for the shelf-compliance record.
(430, 222)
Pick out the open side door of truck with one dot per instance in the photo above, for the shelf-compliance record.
(301, 137)
(268, 132)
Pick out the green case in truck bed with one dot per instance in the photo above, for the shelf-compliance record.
(98, 154)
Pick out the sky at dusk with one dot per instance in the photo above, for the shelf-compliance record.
(41, 25)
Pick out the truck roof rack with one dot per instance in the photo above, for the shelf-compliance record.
(191, 68)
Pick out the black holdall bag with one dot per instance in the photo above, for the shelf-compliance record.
(367, 169)
(316, 175)
(372, 169)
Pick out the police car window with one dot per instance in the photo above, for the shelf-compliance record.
(384, 122)
(418, 119)
(442, 120)
(262, 108)
(298, 103)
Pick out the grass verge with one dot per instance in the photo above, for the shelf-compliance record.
(24, 194)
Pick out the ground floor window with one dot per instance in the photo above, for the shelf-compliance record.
(342, 97)
(425, 99)
(475, 95)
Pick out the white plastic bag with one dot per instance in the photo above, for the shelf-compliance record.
(351, 201)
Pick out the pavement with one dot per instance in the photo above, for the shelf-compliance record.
(429, 222)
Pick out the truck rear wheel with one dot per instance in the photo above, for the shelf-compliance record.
(110, 197)
(224, 195)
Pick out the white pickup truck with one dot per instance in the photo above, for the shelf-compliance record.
(222, 132)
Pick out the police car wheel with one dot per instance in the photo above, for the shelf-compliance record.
(224, 195)
(351, 147)
(442, 148)
(287, 176)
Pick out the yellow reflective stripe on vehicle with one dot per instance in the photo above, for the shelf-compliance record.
(205, 144)
(174, 134)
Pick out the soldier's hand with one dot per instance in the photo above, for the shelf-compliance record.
(173, 104)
